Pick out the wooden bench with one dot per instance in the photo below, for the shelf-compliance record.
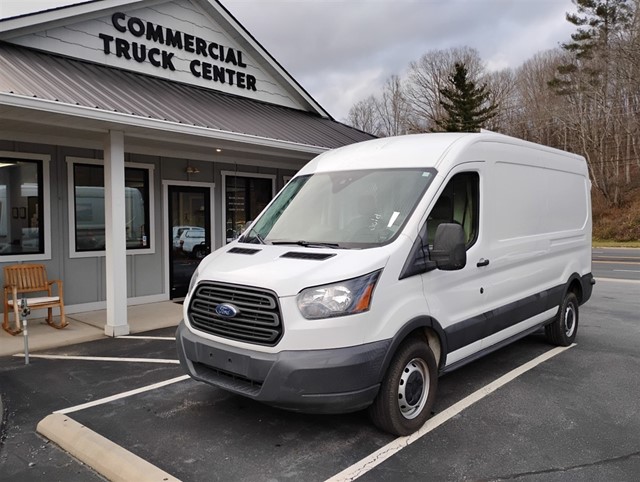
(30, 278)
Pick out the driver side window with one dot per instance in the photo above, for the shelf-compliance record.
(459, 203)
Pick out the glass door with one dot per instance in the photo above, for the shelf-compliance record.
(189, 234)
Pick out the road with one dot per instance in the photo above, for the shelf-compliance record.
(573, 417)
(618, 263)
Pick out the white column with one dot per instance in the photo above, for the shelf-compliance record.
(116, 236)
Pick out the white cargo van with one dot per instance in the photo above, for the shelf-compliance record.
(384, 264)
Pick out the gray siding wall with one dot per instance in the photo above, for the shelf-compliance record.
(84, 278)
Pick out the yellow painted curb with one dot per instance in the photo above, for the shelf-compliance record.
(101, 454)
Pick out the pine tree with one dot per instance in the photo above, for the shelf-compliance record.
(598, 24)
(595, 84)
(466, 105)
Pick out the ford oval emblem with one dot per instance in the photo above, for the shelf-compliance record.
(227, 310)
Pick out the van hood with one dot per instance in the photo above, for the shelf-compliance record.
(288, 269)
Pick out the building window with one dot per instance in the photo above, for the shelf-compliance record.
(245, 196)
(88, 213)
(22, 220)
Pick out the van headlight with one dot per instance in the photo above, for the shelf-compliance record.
(338, 299)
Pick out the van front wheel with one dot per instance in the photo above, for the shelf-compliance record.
(562, 331)
(408, 390)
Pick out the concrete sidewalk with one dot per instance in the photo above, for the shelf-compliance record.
(90, 326)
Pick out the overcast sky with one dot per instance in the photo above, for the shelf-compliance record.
(342, 51)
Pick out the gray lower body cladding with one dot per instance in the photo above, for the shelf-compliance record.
(314, 381)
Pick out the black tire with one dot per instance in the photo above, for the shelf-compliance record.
(408, 390)
(563, 330)
(199, 253)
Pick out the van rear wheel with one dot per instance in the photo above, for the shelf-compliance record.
(408, 390)
(562, 331)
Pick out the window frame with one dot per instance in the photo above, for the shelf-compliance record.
(45, 161)
(151, 236)
(226, 174)
(476, 208)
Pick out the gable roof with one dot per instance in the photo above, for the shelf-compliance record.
(54, 83)
(15, 28)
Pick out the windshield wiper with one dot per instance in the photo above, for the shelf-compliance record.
(308, 244)
(250, 236)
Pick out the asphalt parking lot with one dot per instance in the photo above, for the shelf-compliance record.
(574, 416)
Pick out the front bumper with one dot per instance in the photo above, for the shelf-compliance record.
(337, 380)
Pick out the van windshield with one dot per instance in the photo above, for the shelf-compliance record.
(343, 209)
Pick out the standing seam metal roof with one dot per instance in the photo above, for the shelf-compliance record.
(31, 73)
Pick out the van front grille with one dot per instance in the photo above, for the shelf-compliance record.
(228, 380)
(257, 316)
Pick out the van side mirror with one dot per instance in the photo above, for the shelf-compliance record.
(449, 251)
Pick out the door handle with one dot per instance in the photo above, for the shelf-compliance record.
(482, 262)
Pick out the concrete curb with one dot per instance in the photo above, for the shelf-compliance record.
(101, 454)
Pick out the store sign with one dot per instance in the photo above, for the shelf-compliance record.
(212, 62)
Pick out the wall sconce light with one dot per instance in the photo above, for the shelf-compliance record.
(192, 170)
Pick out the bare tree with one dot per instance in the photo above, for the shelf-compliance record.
(428, 75)
(502, 92)
(593, 82)
(364, 116)
(393, 108)
(532, 111)
(583, 97)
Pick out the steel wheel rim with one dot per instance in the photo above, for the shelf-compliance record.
(569, 320)
(413, 388)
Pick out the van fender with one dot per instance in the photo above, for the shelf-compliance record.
(415, 324)
(585, 287)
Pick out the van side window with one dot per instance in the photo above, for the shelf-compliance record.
(458, 203)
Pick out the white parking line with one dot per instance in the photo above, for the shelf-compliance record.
(133, 337)
(368, 463)
(118, 396)
(102, 358)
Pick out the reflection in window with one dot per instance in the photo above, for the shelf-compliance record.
(245, 198)
(21, 203)
(88, 180)
(349, 209)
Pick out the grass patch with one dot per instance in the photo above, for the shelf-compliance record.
(617, 226)
(605, 243)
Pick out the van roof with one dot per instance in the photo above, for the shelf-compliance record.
(414, 150)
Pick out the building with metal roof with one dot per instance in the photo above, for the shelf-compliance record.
(135, 137)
